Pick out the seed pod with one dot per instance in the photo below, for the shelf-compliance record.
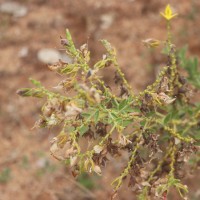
(165, 98)
(123, 141)
(151, 43)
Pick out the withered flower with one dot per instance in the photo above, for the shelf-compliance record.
(112, 148)
(64, 42)
(151, 43)
(123, 141)
(123, 91)
(101, 129)
(98, 149)
(165, 98)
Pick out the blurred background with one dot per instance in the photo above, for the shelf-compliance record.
(30, 33)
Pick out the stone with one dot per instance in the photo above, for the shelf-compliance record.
(48, 56)
(106, 21)
(23, 52)
(41, 163)
(14, 9)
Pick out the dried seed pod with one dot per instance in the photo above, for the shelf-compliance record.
(70, 152)
(123, 141)
(84, 47)
(41, 123)
(165, 98)
(164, 85)
(151, 43)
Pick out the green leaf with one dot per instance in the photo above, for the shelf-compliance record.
(71, 47)
(83, 129)
(196, 136)
(96, 116)
(115, 104)
(85, 115)
(165, 50)
(173, 114)
(167, 118)
(142, 123)
(125, 123)
(113, 116)
(182, 56)
(35, 82)
(123, 104)
(191, 66)
(68, 35)
(24, 92)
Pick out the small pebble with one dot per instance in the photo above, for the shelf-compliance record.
(106, 21)
(14, 9)
(23, 52)
(48, 56)
(41, 163)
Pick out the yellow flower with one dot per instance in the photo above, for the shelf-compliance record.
(168, 15)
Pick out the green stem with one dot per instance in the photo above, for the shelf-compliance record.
(169, 36)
